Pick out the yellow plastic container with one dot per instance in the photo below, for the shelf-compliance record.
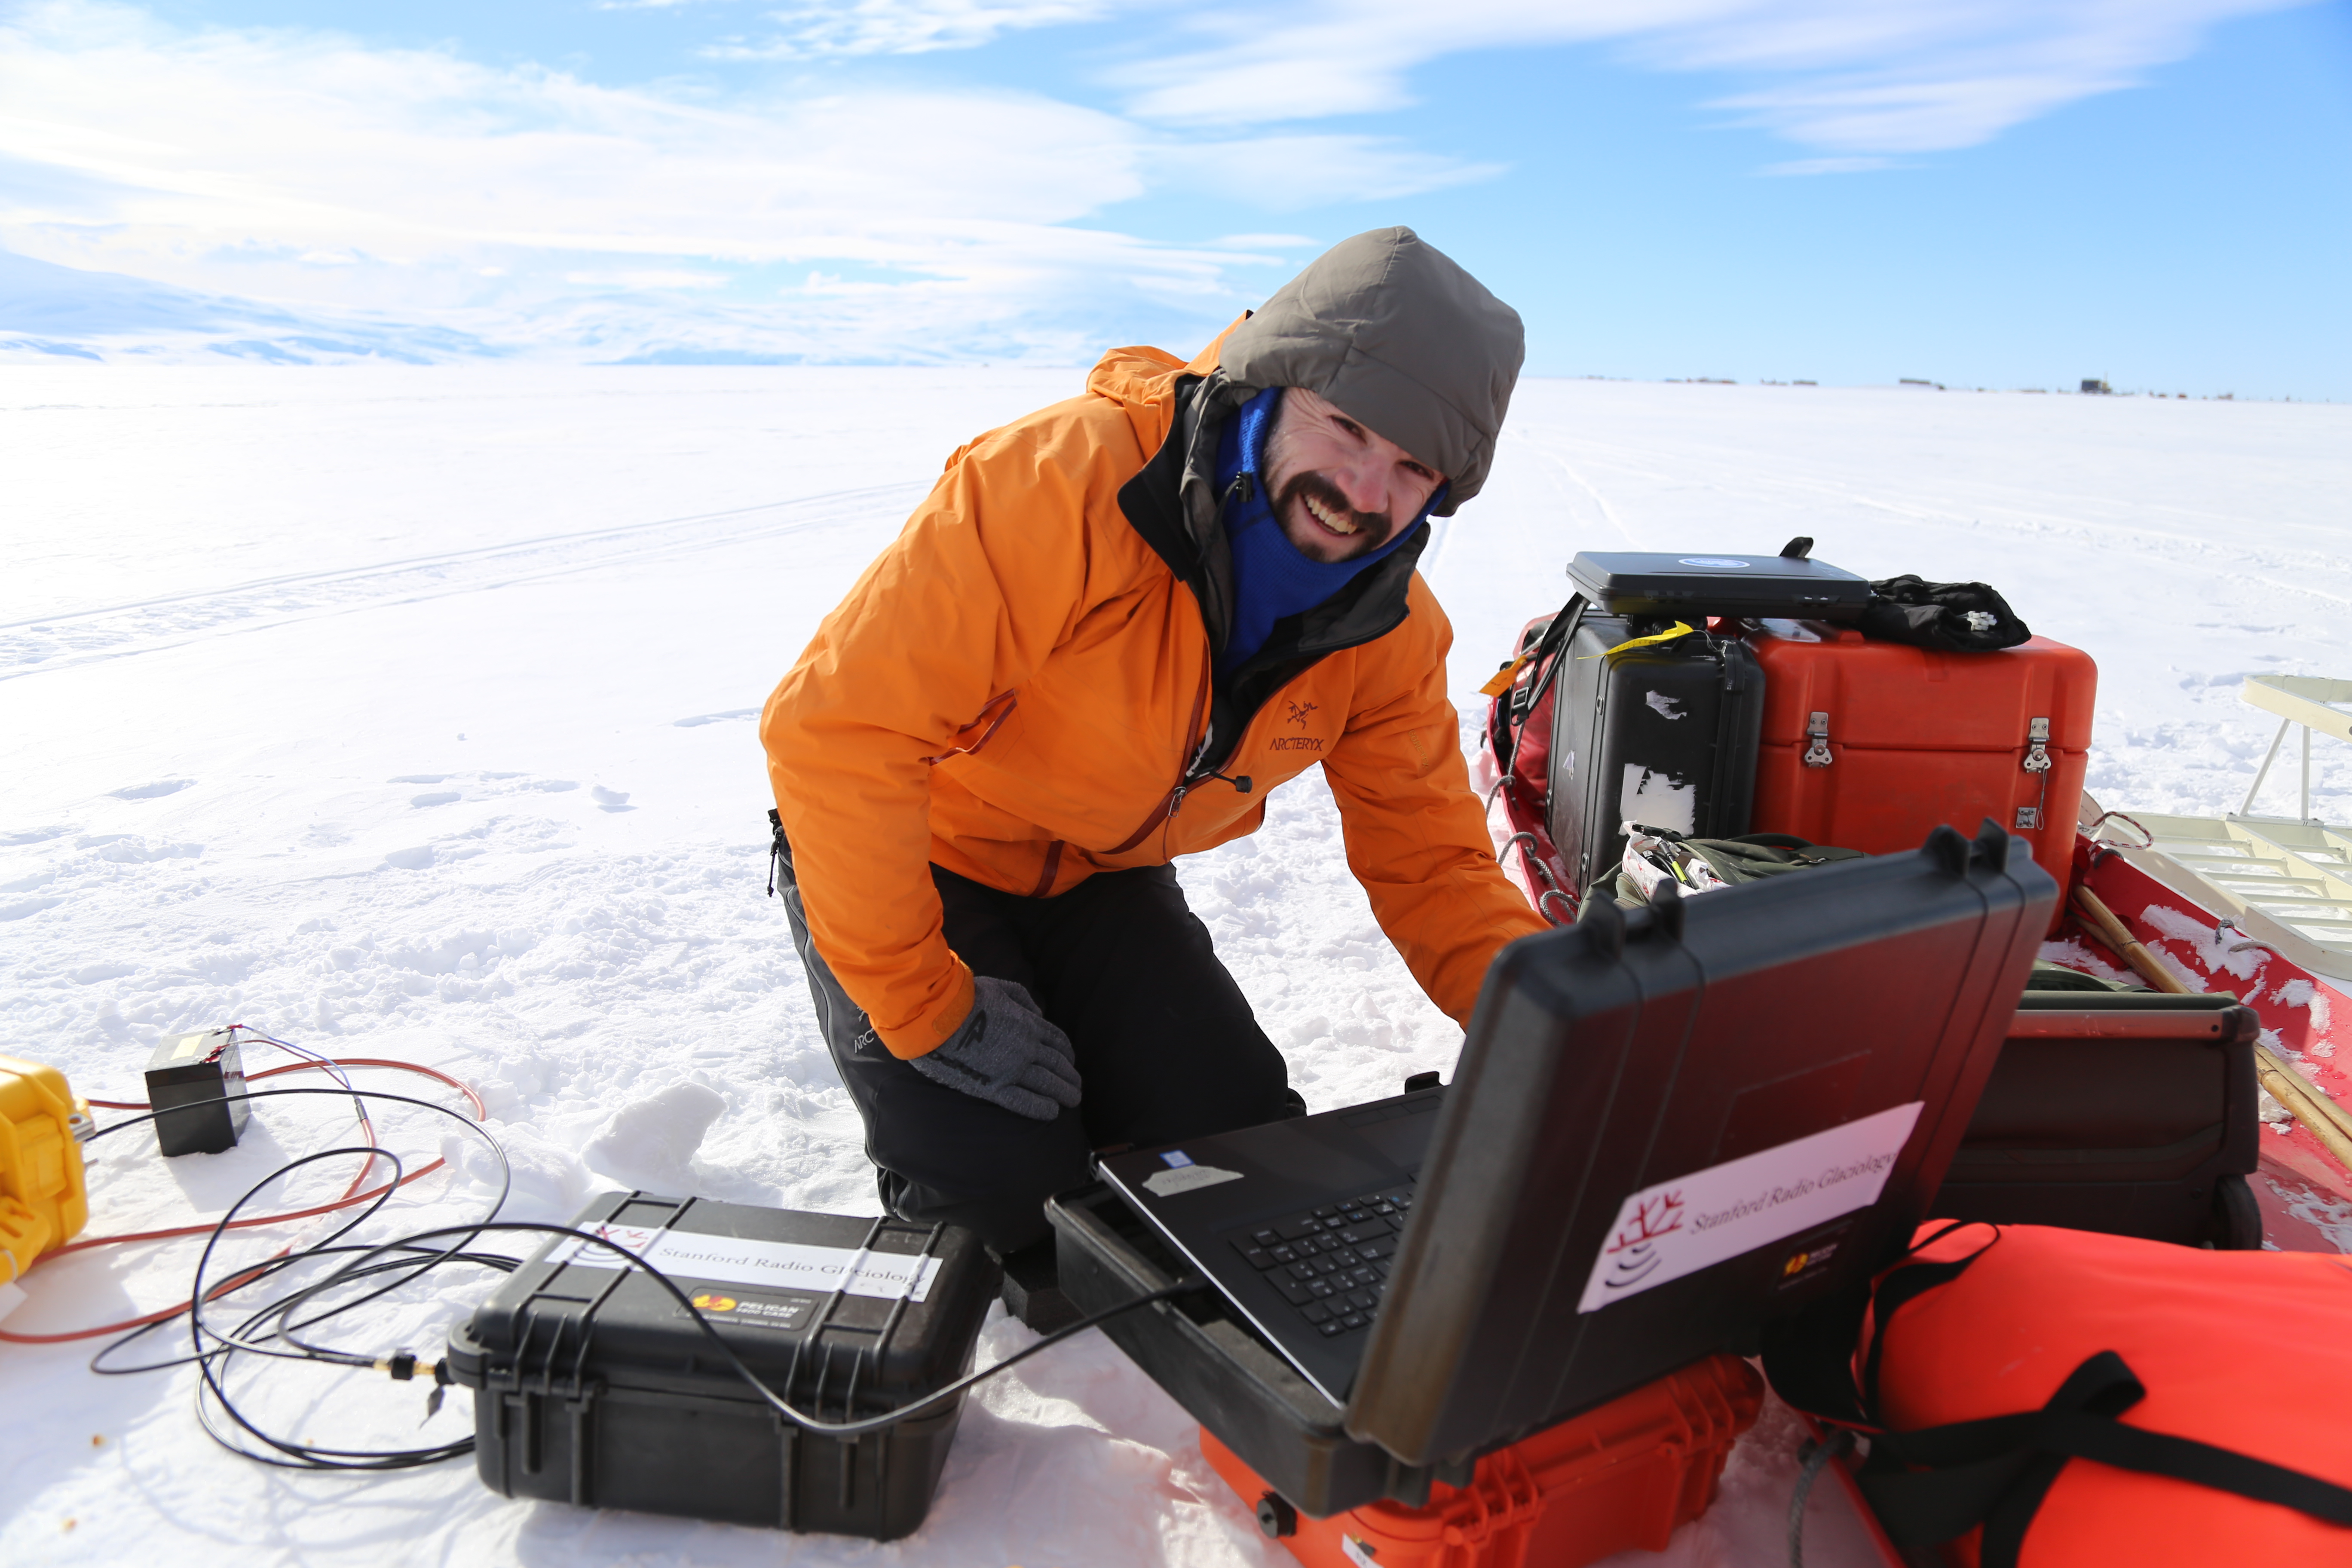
(43, 1201)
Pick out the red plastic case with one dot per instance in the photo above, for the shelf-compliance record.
(1619, 1477)
(1871, 745)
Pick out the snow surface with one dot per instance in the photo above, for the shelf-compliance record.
(407, 712)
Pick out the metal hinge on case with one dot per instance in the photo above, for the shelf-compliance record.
(1817, 729)
(2037, 749)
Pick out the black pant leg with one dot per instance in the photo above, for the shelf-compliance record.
(940, 1154)
(1167, 1044)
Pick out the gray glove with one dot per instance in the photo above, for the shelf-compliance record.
(1007, 1053)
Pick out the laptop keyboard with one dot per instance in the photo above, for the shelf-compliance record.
(1331, 1263)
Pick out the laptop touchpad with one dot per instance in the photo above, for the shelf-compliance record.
(1404, 1140)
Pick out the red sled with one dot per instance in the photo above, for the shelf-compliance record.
(1512, 771)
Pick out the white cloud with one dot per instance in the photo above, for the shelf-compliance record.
(1351, 56)
(649, 278)
(1287, 173)
(320, 173)
(240, 160)
(813, 28)
(1887, 114)
(277, 136)
(1920, 77)
(1827, 166)
(1854, 77)
(316, 171)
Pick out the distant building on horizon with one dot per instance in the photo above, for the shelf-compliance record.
(2098, 386)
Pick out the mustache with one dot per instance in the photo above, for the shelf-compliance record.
(1372, 527)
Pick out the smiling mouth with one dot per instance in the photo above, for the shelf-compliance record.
(1336, 521)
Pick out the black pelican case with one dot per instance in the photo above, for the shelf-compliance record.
(593, 1386)
(1665, 735)
(2131, 1113)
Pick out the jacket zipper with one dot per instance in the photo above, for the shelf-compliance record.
(993, 714)
(1044, 887)
(1197, 769)
(1194, 741)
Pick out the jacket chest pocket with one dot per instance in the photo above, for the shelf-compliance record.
(998, 716)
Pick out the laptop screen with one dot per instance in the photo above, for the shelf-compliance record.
(1658, 1138)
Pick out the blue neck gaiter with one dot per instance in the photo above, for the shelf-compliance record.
(1271, 578)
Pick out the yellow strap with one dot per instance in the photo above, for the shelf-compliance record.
(1504, 676)
(1677, 630)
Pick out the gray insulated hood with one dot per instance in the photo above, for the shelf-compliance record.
(1390, 330)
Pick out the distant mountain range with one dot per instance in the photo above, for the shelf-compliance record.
(47, 309)
(49, 312)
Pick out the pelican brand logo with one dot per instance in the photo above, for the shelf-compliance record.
(1299, 711)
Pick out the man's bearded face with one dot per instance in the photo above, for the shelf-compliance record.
(1338, 489)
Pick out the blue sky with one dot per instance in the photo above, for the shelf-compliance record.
(1999, 193)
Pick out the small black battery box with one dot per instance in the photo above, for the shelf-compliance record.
(593, 1386)
(196, 1084)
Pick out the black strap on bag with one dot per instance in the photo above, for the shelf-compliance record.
(1808, 1359)
(1511, 712)
(1996, 1471)
(1939, 1482)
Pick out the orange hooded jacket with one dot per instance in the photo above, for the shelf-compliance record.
(1019, 686)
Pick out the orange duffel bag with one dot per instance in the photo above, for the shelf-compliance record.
(2043, 1398)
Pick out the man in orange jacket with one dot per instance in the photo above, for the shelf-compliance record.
(1112, 629)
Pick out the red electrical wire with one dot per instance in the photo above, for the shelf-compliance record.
(352, 1195)
(214, 1294)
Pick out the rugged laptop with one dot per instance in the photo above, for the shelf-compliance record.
(1626, 584)
(1665, 1128)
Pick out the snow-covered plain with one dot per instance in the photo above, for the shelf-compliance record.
(408, 712)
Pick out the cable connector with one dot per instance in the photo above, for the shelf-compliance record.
(404, 1366)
